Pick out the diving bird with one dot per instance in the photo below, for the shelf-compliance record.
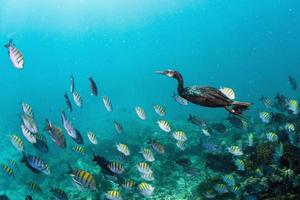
(205, 96)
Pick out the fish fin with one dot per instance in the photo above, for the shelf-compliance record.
(70, 169)
(48, 125)
(9, 43)
(24, 157)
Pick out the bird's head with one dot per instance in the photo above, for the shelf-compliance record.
(169, 72)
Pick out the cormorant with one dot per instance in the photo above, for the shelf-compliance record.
(205, 96)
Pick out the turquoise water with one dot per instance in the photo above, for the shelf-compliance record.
(251, 47)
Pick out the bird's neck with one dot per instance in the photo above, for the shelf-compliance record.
(179, 79)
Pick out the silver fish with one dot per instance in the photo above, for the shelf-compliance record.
(68, 126)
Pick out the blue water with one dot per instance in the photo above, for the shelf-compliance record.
(250, 46)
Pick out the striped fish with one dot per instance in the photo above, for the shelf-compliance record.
(180, 145)
(164, 125)
(116, 167)
(92, 137)
(128, 184)
(228, 92)
(159, 110)
(147, 177)
(157, 146)
(229, 180)
(123, 148)
(265, 117)
(12, 163)
(221, 188)
(148, 155)
(7, 170)
(146, 189)
(29, 123)
(180, 136)
(79, 149)
(83, 178)
(290, 127)
(27, 109)
(28, 135)
(77, 99)
(113, 195)
(17, 142)
(293, 106)
(35, 164)
(59, 194)
(239, 164)
(235, 150)
(34, 187)
(140, 112)
(118, 127)
(16, 57)
(144, 168)
(272, 137)
(107, 103)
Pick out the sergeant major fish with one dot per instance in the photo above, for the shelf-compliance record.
(82, 178)
(16, 57)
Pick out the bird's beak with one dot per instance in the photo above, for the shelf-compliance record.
(160, 72)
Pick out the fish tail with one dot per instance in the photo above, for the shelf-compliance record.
(190, 118)
(70, 169)
(239, 107)
(24, 157)
(47, 126)
(94, 157)
(9, 43)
